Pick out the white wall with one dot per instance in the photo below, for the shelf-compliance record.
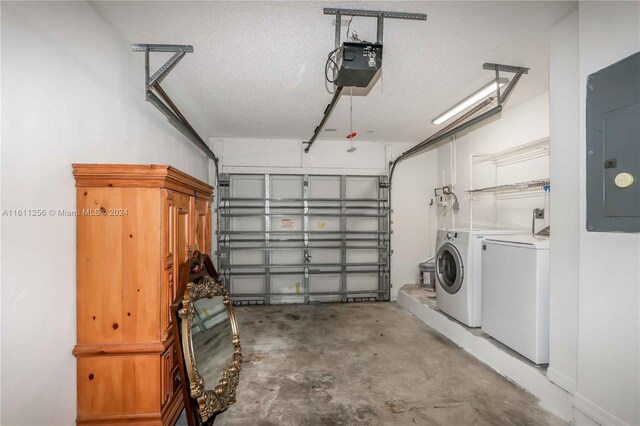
(609, 290)
(517, 124)
(565, 199)
(288, 157)
(414, 221)
(71, 92)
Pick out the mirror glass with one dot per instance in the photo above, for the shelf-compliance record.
(212, 339)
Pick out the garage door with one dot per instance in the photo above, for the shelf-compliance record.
(303, 238)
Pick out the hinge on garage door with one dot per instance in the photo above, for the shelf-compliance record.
(223, 180)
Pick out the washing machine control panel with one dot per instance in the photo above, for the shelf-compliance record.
(452, 236)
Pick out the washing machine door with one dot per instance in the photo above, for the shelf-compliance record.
(449, 268)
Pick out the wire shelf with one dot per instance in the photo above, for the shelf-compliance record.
(539, 146)
(531, 185)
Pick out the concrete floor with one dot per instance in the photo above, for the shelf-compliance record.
(364, 363)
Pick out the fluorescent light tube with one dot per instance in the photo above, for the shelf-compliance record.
(478, 96)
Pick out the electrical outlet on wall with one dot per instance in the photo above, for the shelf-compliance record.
(443, 195)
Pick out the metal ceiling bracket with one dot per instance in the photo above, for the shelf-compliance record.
(379, 14)
(518, 71)
(165, 69)
(375, 13)
(162, 48)
(163, 102)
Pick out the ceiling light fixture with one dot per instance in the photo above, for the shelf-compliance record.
(478, 96)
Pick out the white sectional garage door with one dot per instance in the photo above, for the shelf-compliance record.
(303, 238)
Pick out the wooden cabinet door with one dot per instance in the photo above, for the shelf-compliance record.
(202, 225)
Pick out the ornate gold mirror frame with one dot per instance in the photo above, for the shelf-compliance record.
(199, 280)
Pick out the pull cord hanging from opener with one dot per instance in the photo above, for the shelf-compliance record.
(351, 134)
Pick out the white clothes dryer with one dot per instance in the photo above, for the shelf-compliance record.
(515, 300)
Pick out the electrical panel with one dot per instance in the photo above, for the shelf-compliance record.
(613, 147)
(358, 64)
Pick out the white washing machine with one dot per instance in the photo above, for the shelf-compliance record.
(515, 293)
(459, 274)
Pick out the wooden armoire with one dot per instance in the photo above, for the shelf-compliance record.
(136, 224)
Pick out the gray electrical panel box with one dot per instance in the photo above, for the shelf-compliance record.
(613, 147)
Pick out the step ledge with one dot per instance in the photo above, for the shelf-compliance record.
(501, 359)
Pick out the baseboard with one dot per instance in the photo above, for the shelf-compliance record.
(562, 380)
(595, 412)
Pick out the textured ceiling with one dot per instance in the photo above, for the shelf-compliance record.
(257, 70)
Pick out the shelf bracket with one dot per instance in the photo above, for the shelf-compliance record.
(518, 71)
(161, 100)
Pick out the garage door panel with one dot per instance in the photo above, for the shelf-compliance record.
(362, 187)
(247, 186)
(324, 223)
(286, 223)
(362, 224)
(359, 256)
(358, 283)
(287, 284)
(285, 237)
(247, 257)
(286, 186)
(247, 285)
(286, 257)
(324, 186)
(323, 284)
(324, 256)
(247, 223)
